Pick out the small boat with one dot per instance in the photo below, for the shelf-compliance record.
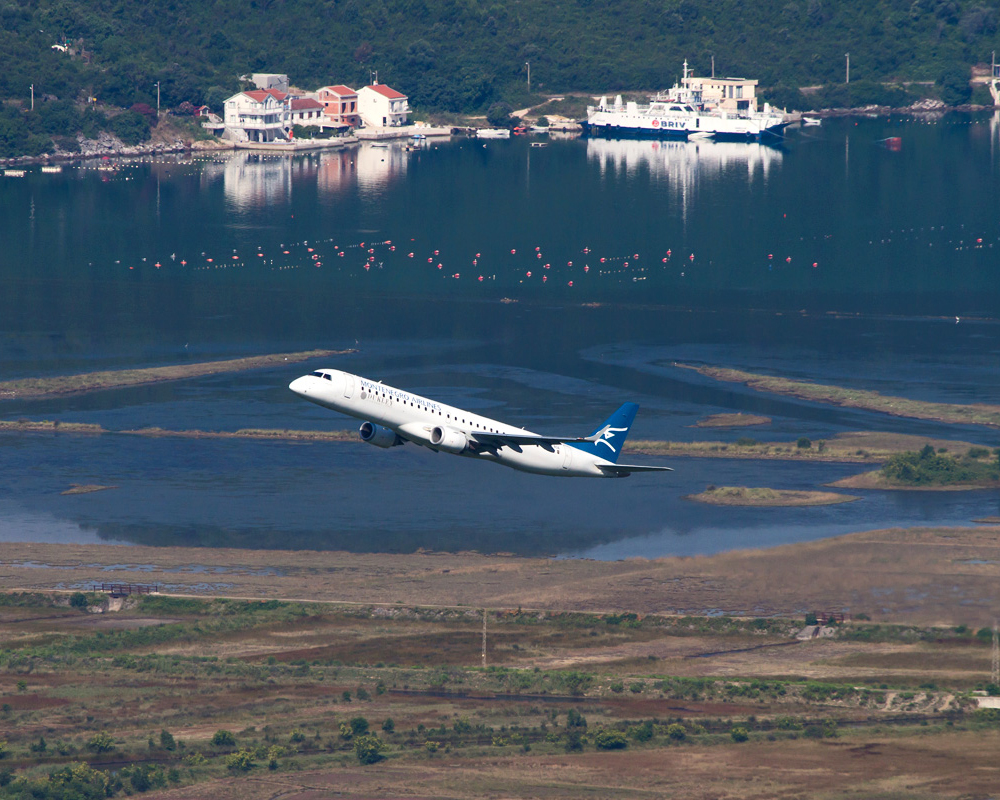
(493, 133)
(811, 121)
(418, 136)
(539, 144)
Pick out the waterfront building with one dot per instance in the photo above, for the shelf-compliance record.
(723, 94)
(340, 105)
(305, 111)
(258, 115)
(382, 107)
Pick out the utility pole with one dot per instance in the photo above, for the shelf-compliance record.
(848, 57)
(157, 99)
(484, 638)
(528, 65)
(32, 97)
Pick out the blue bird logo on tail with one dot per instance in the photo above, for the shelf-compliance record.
(615, 427)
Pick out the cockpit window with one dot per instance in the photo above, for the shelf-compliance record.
(328, 376)
(318, 374)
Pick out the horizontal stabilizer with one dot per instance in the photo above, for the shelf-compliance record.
(624, 470)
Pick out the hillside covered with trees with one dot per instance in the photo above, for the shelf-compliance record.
(463, 55)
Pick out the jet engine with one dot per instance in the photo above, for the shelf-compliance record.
(378, 436)
(449, 440)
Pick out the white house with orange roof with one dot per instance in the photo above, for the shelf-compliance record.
(382, 107)
(305, 111)
(340, 105)
(257, 115)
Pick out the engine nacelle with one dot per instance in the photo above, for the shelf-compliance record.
(378, 436)
(449, 440)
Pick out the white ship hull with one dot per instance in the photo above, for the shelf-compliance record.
(645, 122)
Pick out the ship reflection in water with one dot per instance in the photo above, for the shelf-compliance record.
(683, 165)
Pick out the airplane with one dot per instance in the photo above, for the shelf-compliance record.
(392, 417)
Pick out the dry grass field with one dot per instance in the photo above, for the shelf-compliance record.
(687, 672)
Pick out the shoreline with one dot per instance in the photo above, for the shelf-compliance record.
(837, 453)
(955, 570)
(761, 497)
(875, 480)
(864, 399)
(65, 385)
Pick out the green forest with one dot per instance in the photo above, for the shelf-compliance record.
(463, 55)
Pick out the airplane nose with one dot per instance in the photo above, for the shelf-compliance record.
(300, 385)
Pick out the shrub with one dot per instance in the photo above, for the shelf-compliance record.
(389, 726)
(739, 734)
(637, 687)
(167, 740)
(617, 687)
(677, 732)
(498, 114)
(643, 732)
(359, 726)
(362, 694)
(574, 740)
(803, 443)
(574, 719)
(79, 600)
(368, 749)
(431, 746)
(240, 761)
(101, 743)
(610, 739)
(223, 738)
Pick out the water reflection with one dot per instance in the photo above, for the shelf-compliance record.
(683, 162)
(378, 164)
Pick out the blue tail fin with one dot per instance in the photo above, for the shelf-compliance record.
(612, 433)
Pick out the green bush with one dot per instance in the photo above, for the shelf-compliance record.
(241, 761)
(677, 732)
(610, 739)
(368, 748)
(739, 734)
(130, 126)
(359, 726)
(389, 726)
(803, 443)
(223, 738)
(167, 740)
(101, 743)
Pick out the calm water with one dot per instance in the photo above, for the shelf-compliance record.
(829, 257)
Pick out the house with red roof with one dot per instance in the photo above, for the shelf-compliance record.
(305, 111)
(258, 115)
(382, 107)
(340, 105)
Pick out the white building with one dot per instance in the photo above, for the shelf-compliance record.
(382, 107)
(305, 111)
(259, 115)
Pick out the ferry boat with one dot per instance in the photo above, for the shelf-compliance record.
(723, 108)
(493, 133)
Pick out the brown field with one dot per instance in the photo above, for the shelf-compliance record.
(400, 637)
(918, 575)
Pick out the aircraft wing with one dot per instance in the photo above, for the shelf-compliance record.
(518, 439)
(624, 470)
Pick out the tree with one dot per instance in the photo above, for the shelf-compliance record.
(79, 600)
(130, 126)
(359, 726)
(223, 738)
(498, 114)
(368, 748)
(954, 84)
(167, 740)
(389, 726)
(574, 719)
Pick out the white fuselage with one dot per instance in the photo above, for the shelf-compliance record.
(441, 427)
